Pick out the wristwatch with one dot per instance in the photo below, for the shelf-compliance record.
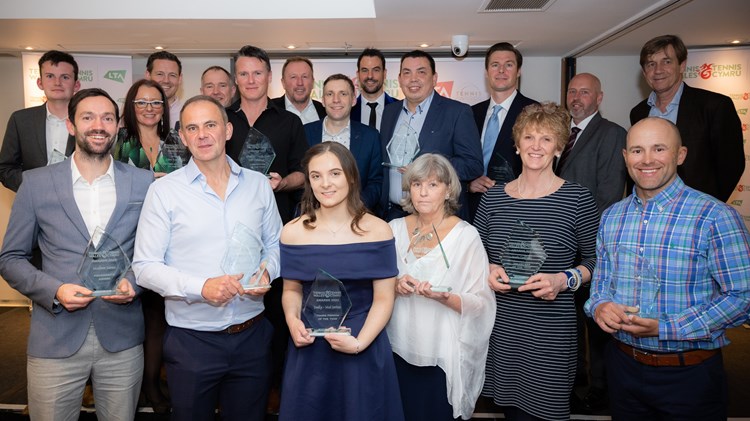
(573, 282)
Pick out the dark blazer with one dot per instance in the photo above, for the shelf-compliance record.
(364, 144)
(45, 214)
(356, 114)
(711, 129)
(25, 145)
(448, 130)
(596, 161)
(504, 144)
(319, 108)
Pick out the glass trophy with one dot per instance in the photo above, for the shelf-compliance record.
(499, 169)
(424, 265)
(634, 283)
(257, 153)
(173, 155)
(243, 255)
(103, 265)
(523, 254)
(326, 306)
(403, 147)
(56, 157)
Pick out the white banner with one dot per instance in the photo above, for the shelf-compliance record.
(114, 74)
(726, 71)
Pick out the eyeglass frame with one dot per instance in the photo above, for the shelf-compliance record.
(143, 104)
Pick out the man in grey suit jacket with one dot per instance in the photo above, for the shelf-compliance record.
(34, 134)
(74, 335)
(593, 159)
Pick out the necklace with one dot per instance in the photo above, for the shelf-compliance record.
(335, 231)
(519, 188)
(418, 231)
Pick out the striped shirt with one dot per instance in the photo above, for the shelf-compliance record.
(699, 251)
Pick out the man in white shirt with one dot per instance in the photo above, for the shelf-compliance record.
(37, 136)
(165, 69)
(298, 80)
(371, 75)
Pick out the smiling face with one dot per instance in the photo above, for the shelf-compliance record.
(94, 126)
(150, 115)
(583, 97)
(252, 78)
(204, 131)
(503, 71)
(537, 147)
(298, 82)
(217, 84)
(328, 180)
(416, 79)
(663, 71)
(371, 75)
(58, 81)
(652, 153)
(338, 99)
(167, 74)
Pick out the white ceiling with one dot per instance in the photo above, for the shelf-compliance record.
(566, 27)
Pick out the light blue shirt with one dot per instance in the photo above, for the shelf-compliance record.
(183, 233)
(672, 107)
(412, 121)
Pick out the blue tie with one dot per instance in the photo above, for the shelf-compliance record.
(490, 136)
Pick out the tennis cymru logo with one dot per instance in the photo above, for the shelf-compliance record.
(712, 70)
(743, 96)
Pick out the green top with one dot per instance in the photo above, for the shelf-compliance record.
(128, 150)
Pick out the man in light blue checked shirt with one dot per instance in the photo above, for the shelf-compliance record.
(672, 273)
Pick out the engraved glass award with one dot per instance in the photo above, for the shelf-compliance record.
(499, 169)
(634, 283)
(56, 157)
(426, 265)
(243, 255)
(173, 155)
(326, 306)
(403, 147)
(257, 153)
(523, 254)
(103, 265)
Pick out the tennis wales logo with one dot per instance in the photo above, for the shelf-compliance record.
(116, 75)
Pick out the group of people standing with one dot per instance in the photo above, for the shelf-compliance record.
(468, 286)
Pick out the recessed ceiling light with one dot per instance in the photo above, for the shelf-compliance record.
(424, 45)
(736, 41)
(291, 47)
(29, 48)
(158, 47)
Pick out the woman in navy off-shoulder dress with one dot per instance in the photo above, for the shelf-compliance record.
(339, 377)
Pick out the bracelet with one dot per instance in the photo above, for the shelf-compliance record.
(574, 278)
(357, 350)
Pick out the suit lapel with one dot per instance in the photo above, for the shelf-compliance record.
(584, 138)
(434, 114)
(39, 126)
(62, 180)
(354, 144)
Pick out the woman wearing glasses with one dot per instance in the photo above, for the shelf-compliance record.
(145, 128)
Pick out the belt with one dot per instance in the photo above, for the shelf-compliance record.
(239, 327)
(678, 359)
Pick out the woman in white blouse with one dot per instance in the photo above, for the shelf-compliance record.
(444, 310)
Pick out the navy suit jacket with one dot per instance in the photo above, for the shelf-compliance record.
(25, 145)
(711, 129)
(504, 145)
(45, 213)
(356, 114)
(596, 162)
(319, 108)
(364, 144)
(448, 130)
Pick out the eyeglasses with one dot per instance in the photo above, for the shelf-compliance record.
(142, 103)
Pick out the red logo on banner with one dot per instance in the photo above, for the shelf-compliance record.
(740, 187)
(444, 88)
(706, 70)
(746, 96)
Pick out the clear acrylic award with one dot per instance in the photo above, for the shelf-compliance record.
(523, 254)
(257, 152)
(244, 255)
(326, 306)
(403, 147)
(634, 283)
(103, 265)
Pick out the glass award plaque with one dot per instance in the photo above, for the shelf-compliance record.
(257, 153)
(424, 265)
(103, 265)
(403, 147)
(523, 254)
(173, 154)
(499, 169)
(326, 306)
(634, 283)
(243, 255)
(56, 157)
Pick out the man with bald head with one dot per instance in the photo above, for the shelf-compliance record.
(692, 252)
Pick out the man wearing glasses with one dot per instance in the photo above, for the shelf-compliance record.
(165, 69)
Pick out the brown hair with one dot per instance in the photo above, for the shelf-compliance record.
(547, 115)
(659, 43)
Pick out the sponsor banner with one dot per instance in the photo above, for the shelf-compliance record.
(111, 73)
(727, 71)
(462, 80)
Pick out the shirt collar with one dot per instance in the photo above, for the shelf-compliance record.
(192, 172)
(584, 123)
(664, 197)
(341, 132)
(289, 106)
(505, 104)
(76, 174)
(673, 103)
(51, 116)
(422, 107)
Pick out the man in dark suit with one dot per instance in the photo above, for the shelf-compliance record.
(298, 80)
(441, 125)
(362, 141)
(73, 335)
(593, 159)
(494, 119)
(37, 136)
(371, 74)
(708, 122)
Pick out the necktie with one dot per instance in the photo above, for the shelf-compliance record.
(373, 114)
(568, 147)
(490, 136)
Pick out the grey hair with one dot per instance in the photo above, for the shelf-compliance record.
(432, 165)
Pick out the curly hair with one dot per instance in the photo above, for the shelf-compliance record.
(547, 115)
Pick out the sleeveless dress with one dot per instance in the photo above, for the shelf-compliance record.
(320, 383)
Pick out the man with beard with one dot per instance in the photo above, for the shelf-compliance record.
(74, 335)
(371, 73)
(165, 69)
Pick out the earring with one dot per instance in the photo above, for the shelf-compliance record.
(447, 197)
(558, 155)
(518, 152)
